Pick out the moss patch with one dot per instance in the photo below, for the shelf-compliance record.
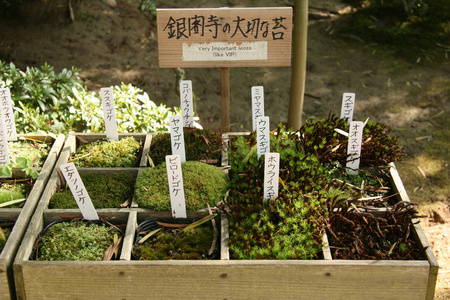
(202, 184)
(75, 241)
(108, 153)
(105, 190)
(10, 192)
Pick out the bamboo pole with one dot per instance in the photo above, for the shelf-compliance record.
(225, 98)
(298, 64)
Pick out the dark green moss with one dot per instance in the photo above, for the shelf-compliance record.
(174, 244)
(105, 191)
(202, 184)
(200, 144)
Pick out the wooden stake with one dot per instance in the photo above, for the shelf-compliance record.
(225, 101)
(298, 64)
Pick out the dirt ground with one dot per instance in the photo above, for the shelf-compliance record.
(116, 43)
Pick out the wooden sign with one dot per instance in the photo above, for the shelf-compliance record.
(224, 37)
(176, 187)
(354, 147)
(6, 107)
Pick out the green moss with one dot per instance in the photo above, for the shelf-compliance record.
(75, 241)
(107, 153)
(105, 191)
(174, 244)
(202, 184)
(10, 192)
(6, 233)
(200, 144)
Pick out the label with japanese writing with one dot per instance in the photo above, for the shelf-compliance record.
(224, 37)
(4, 153)
(257, 104)
(271, 175)
(177, 137)
(348, 106)
(223, 51)
(79, 192)
(109, 113)
(176, 188)
(262, 136)
(187, 103)
(354, 147)
(6, 105)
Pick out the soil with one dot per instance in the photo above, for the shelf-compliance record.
(112, 42)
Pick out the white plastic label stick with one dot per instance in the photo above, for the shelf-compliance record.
(109, 113)
(6, 105)
(257, 104)
(354, 147)
(79, 192)
(4, 153)
(271, 175)
(176, 188)
(177, 137)
(262, 135)
(187, 103)
(348, 106)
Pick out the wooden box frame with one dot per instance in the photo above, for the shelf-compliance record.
(23, 215)
(225, 279)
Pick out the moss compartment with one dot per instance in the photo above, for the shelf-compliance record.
(13, 191)
(175, 244)
(107, 153)
(75, 241)
(35, 152)
(203, 184)
(105, 191)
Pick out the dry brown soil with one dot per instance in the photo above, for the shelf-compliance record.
(114, 44)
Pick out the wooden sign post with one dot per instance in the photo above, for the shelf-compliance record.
(224, 38)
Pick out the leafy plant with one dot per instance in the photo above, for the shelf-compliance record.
(105, 191)
(321, 139)
(107, 153)
(203, 184)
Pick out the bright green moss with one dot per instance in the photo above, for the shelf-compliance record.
(202, 184)
(75, 241)
(108, 153)
(10, 192)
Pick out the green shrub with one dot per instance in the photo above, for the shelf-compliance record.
(202, 184)
(58, 102)
(105, 191)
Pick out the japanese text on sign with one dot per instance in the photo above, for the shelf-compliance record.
(271, 175)
(109, 113)
(256, 28)
(257, 104)
(79, 192)
(348, 106)
(225, 37)
(8, 114)
(354, 147)
(187, 104)
(262, 136)
(176, 188)
(177, 137)
(4, 153)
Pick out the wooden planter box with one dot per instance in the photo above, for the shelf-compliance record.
(23, 215)
(222, 279)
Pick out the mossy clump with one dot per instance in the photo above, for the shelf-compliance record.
(107, 153)
(35, 152)
(9, 191)
(4, 234)
(203, 184)
(176, 244)
(75, 241)
(105, 191)
(200, 144)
